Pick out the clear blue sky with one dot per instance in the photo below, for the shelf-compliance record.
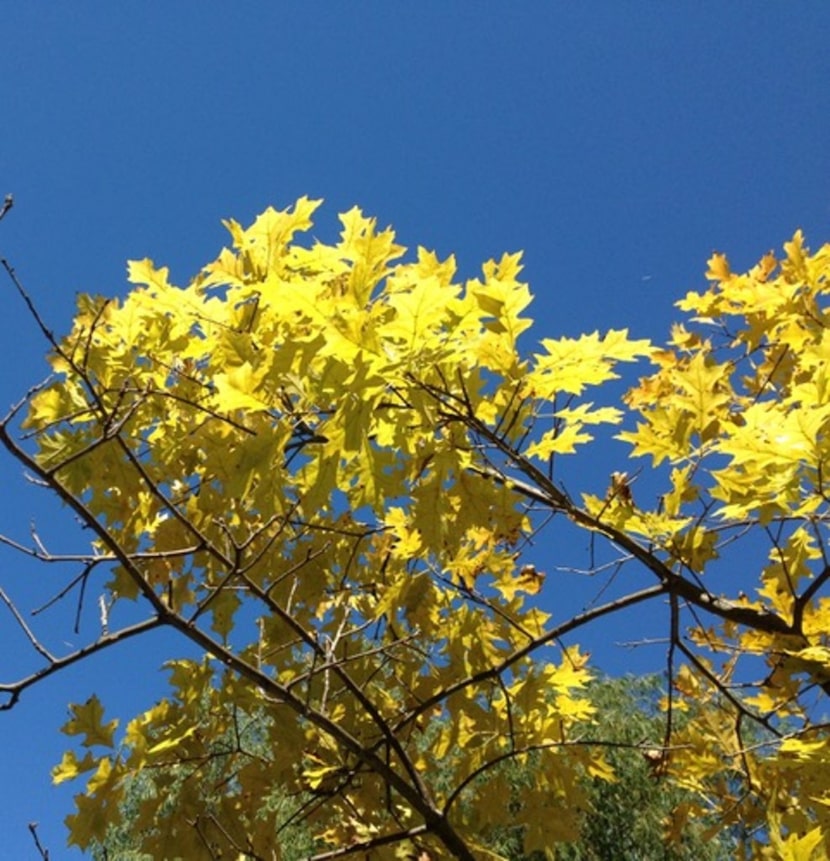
(617, 143)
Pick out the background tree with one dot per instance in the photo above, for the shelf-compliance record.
(629, 818)
(177, 785)
(624, 819)
(326, 468)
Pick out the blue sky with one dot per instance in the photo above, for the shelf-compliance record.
(617, 143)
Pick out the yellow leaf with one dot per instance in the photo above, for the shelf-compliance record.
(70, 766)
(315, 776)
(87, 721)
(172, 742)
(89, 823)
(765, 267)
(145, 272)
(795, 251)
(795, 847)
(408, 541)
(236, 390)
(527, 580)
(718, 268)
(571, 364)
(419, 314)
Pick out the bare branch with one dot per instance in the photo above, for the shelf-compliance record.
(374, 843)
(8, 203)
(45, 330)
(21, 621)
(14, 689)
(44, 853)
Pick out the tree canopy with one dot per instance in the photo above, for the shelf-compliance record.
(329, 466)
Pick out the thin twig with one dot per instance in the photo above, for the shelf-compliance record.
(36, 644)
(48, 334)
(13, 690)
(8, 203)
(44, 853)
(367, 845)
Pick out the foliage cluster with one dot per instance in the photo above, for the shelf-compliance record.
(328, 466)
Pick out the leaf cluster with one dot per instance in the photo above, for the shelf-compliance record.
(326, 466)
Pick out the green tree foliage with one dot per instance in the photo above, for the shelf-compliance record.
(628, 818)
(624, 819)
(186, 792)
(326, 467)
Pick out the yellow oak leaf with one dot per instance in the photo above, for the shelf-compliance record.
(87, 721)
(718, 268)
(70, 766)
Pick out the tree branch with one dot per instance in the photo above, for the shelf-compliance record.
(44, 853)
(8, 203)
(572, 624)
(14, 689)
(368, 845)
(761, 620)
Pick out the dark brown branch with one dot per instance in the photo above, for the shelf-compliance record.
(36, 645)
(160, 393)
(367, 845)
(13, 690)
(44, 853)
(92, 559)
(8, 203)
(761, 620)
(572, 624)
(674, 639)
(807, 595)
(47, 332)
